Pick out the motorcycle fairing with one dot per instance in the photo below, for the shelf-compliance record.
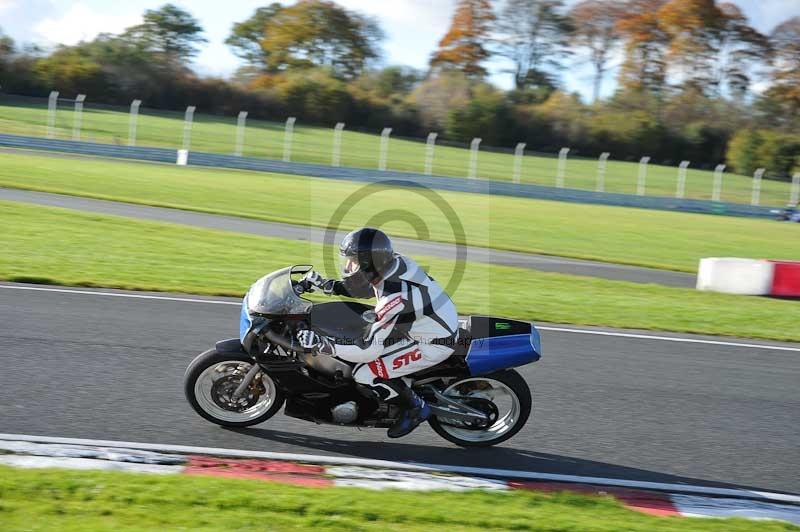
(245, 322)
(498, 344)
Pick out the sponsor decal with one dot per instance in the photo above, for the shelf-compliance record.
(378, 369)
(502, 326)
(389, 306)
(406, 358)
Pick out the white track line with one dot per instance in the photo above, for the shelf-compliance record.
(115, 294)
(668, 338)
(540, 327)
(478, 471)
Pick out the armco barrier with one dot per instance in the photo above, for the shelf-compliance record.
(482, 186)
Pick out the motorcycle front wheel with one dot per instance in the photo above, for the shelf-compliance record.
(211, 380)
(510, 395)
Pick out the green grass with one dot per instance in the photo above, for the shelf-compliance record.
(314, 144)
(657, 239)
(67, 247)
(67, 500)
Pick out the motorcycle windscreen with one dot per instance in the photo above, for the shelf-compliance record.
(496, 353)
(273, 295)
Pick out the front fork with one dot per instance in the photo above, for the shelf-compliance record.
(248, 379)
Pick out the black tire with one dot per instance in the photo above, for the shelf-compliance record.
(519, 387)
(210, 358)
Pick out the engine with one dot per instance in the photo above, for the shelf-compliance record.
(345, 413)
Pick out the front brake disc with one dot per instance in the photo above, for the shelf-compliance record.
(222, 394)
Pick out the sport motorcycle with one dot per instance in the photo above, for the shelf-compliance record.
(476, 397)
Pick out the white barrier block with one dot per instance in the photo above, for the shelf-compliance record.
(183, 158)
(750, 277)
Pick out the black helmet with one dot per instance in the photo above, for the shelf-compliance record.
(365, 254)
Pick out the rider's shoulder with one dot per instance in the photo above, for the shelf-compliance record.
(404, 274)
(411, 272)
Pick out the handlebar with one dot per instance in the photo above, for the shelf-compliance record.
(302, 286)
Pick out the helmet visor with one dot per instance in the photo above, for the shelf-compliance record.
(349, 265)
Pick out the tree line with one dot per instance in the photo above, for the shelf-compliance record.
(694, 79)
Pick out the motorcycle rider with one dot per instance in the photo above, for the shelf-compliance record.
(415, 327)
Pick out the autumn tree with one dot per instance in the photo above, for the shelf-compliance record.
(390, 82)
(785, 90)
(169, 31)
(464, 45)
(246, 36)
(690, 26)
(486, 115)
(6, 45)
(320, 33)
(595, 29)
(645, 41)
(71, 71)
(6, 52)
(438, 95)
(711, 47)
(534, 36)
(740, 50)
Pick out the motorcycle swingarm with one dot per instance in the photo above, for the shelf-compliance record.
(448, 408)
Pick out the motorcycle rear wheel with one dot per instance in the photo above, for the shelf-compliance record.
(210, 396)
(506, 387)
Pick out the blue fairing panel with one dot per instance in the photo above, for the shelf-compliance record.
(244, 321)
(502, 352)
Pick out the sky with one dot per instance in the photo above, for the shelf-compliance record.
(413, 28)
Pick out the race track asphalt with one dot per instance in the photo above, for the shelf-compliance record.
(604, 270)
(94, 366)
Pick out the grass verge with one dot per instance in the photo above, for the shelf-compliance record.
(217, 134)
(91, 500)
(666, 240)
(67, 247)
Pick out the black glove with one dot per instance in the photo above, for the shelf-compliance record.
(315, 280)
(312, 341)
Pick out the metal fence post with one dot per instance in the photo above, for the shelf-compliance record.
(601, 171)
(680, 191)
(52, 105)
(641, 182)
(384, 148)
(77, 117)
(519, 152)
(561, 169)
(132, 122)
(288, 133)
(716, 193)
(430, 144)
(336, 158)
(794, 195)
(187, 127)
(473, 157)
(241, 124)
(755, 197)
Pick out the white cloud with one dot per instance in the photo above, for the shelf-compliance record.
(80, 23)
(6, 4)
(413, 27)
